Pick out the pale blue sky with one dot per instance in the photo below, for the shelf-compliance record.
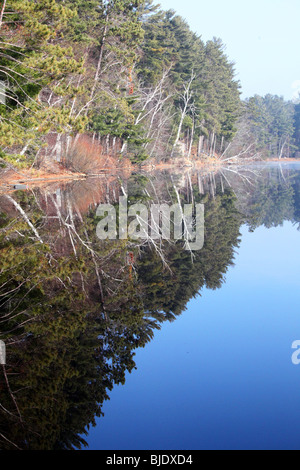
(262, 38)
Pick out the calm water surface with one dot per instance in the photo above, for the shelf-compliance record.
(120, 344)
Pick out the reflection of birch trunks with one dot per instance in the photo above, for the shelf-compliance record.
(2, 93)
(24, 215)
(2, 353)
(2, 12)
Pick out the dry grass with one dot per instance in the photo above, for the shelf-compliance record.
(87, 156)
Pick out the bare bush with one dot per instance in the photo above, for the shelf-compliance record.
(87, 156)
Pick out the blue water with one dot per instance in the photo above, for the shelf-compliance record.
(221, 375)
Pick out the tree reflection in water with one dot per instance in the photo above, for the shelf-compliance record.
(74, 308)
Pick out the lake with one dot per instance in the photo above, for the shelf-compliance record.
(144, 343)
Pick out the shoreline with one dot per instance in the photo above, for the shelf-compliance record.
(11, 179)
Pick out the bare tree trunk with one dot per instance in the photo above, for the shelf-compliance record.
(78, 84)
(183, 114)
(124, 146)
(281, 150)
(187, 139)
(58, 148)
(107, 144)
(192, 139)
(200, 145)
(24, 149)
(155, 94)
(207, 146)
(212, 144)
(187, 96)
(214, 148)
(222, 144)
(75, 140)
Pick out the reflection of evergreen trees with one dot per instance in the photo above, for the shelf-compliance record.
(169, 291)
(72, 317)
(296, 189)
(275, 199)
